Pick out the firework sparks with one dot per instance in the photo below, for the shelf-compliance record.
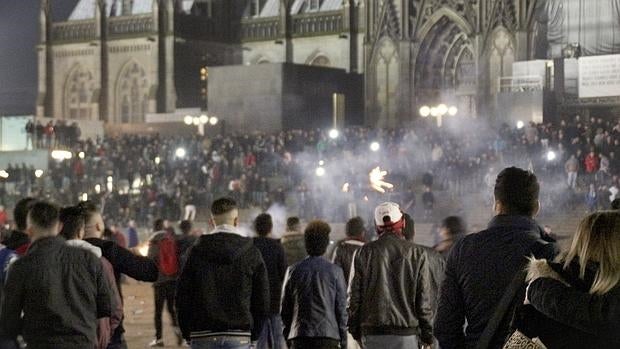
(377, 180)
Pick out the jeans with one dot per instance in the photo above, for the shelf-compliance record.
(222, 342)
(390, 342)
(164, 292)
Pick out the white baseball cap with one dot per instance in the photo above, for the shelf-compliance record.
(387, 213)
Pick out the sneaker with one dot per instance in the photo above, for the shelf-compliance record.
(156, 343)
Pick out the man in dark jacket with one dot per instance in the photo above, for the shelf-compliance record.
(481, 266)
(122, 260)
(389, 295)
(223, 289)
(346, 249)
(293, 241)
(18, 240)
(314, 300)
(55, 293)
(275, 261)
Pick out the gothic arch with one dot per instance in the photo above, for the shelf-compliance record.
(387, 79)
(132, 93)
(78, 93)
(501, 56)
(445, 63)
(319, 59)
(437, 16)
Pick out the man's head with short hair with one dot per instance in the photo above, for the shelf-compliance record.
(72, 221)
(615, 205)
(20, 213)
(293, 224)
(316, 237)
(93, 221)
(263, 224)
(224, 211)
(43, 220)
(186, 227)
(452, 227)
(158, 225)
(355, 228)
(516, 193)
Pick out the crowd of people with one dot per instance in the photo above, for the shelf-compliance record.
(146, 177)
(61, 280)
(53, 134)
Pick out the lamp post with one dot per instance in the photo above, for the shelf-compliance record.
(438, 112)
(200, 121)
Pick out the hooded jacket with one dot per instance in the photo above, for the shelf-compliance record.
(564, 315)
(223, 288)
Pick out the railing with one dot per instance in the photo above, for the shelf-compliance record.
(317, 23)
(74, 31)
(118, 26)
(260, 29)
(521, 83)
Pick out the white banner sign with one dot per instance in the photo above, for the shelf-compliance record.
(599, 76)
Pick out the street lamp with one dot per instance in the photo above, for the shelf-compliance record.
(180, 153)
(334, 133)
(375, 146)
(320, 171)
(438, 112)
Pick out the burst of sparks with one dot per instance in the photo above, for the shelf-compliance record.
(377, 180)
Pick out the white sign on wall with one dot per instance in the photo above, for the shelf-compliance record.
(599, 76)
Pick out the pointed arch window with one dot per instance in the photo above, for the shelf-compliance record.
(79, 94)
(132, 94)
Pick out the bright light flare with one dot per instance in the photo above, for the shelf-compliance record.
(97, 188)
(425, 111)
(551, 155)
(375, 146)
(452, 111)
(61, 155)
(188, 119)
(213, 121)
(157, 160)
(320, 171)
(345, 188)
(180, 153)
(377, 180)
(520, 124)
(84, 197)
(204, 119)
(143, 249)
(38, 173)
(333, 133)
(81, 155)
(442, 109)
(4, 174)
(196, 121)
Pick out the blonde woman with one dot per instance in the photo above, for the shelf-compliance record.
(575, 301)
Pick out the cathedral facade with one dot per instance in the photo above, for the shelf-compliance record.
(117, 60)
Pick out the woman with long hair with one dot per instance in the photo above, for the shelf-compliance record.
(574, 302)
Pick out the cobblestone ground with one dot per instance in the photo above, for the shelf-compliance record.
(139, 310)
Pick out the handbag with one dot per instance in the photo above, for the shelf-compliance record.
(520, 341)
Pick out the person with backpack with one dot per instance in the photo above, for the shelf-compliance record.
(163, 250)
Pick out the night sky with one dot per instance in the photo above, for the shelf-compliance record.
(19, 34)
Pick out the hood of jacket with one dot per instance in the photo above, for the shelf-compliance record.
(222, 247)
(85, 246)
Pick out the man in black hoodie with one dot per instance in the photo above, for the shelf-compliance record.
(123, 261)
(223, 291)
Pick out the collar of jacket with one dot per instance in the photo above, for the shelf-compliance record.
(86, 246)
(226, 228)
(515, 221)
(45, 242)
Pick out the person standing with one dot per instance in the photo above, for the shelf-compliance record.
(122, 260)
(55, 293)
(572, 168)
(481, 266)
(314, 297)
(223, 290)
(389, 296)
(18, 240)
(346, 249)
(293, 241)
(275, 261)
(163, 249)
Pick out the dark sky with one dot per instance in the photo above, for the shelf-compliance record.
(19, 34)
